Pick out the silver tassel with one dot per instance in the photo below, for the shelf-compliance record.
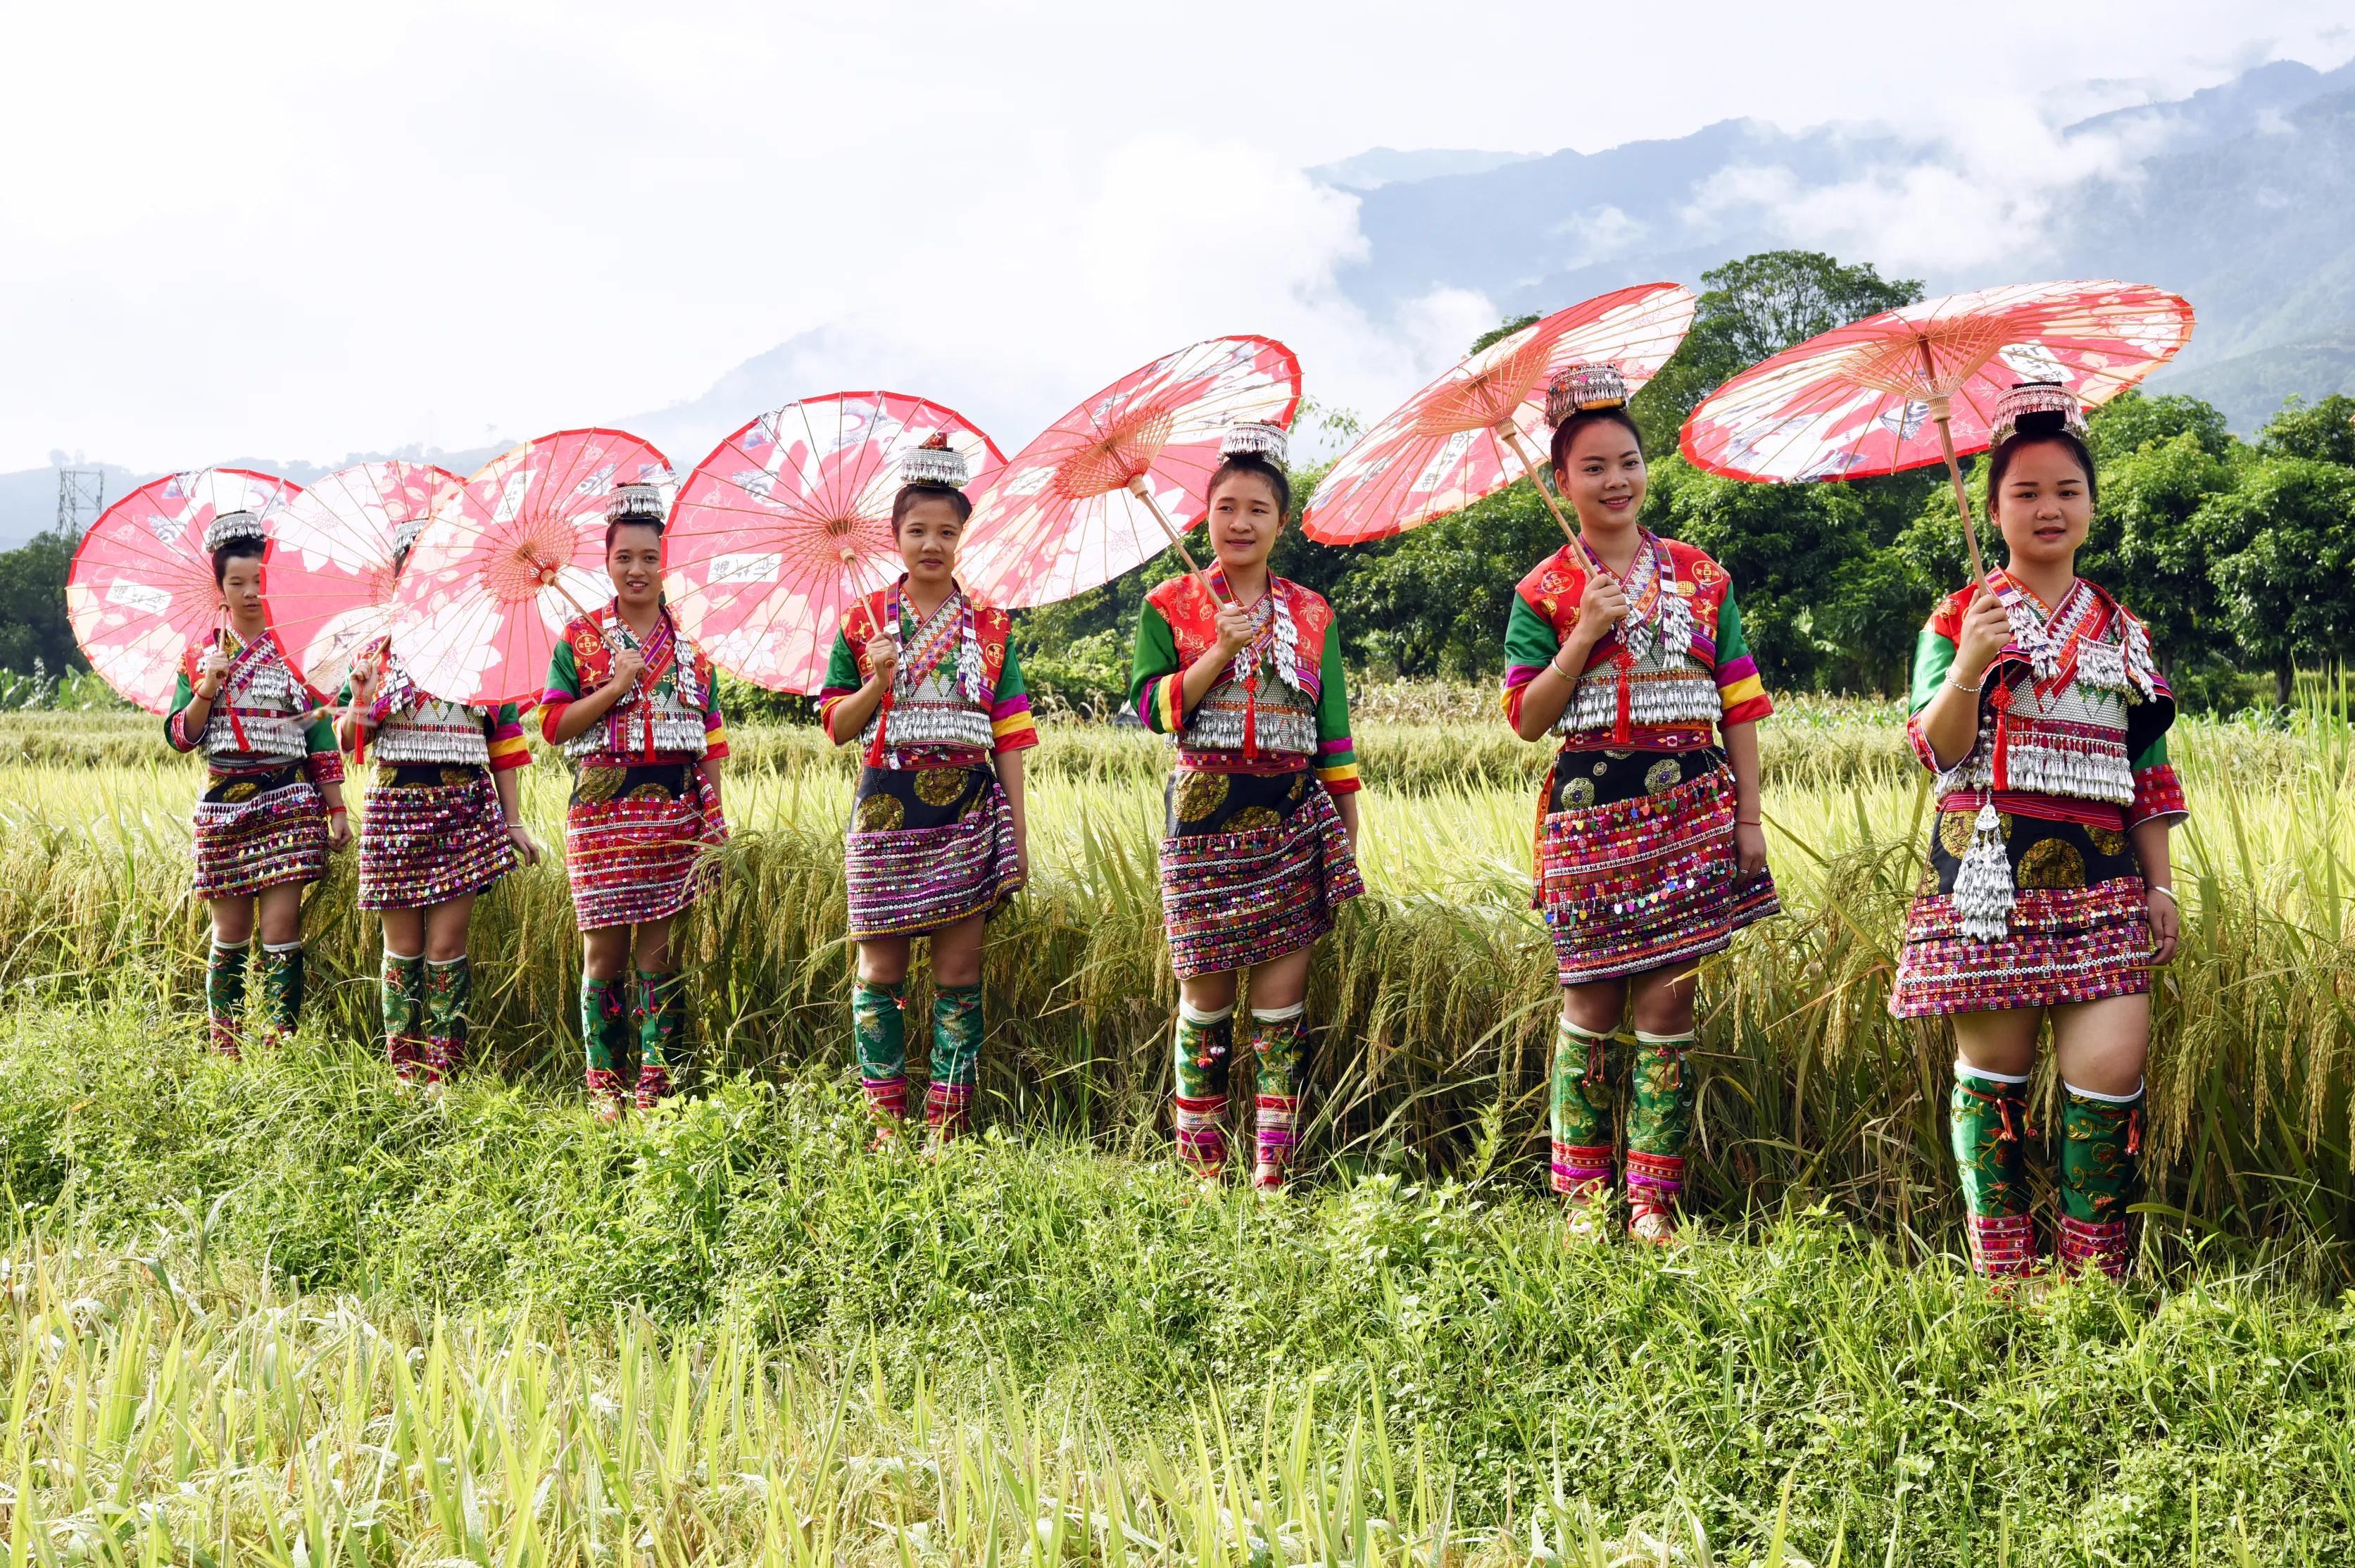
(1983, 890)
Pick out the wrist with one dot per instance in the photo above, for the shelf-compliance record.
(2163, 890)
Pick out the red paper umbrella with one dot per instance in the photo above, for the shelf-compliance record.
(1918, 384)
(1446, 448)
(788, 522)
(515, 553)
(328, 571)
(1092, 495)
(141, 593)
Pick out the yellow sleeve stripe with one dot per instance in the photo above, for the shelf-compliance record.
(1012, 725)
(1172, 689)
(509, 747)
(1749, 688)
(1346, 772)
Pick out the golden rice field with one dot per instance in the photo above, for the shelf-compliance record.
(1433, 1005)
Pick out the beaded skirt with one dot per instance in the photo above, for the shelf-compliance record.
(1252, 867)
(2079, 928)
(257, 830)
(431, 832)
(928, 847)
(1636, 862)
(637, 842)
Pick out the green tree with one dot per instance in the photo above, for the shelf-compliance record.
(2322, 431)
(2127, 423)
(2284, 562)
(33, 605)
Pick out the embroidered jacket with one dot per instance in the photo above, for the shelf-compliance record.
(671, 715)
(1676, 665)
(958, 694)
(1283, 699)
(2073, 714)
(406, 725)
(262, 717)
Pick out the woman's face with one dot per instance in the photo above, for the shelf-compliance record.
(1244, 520)
(2044, 504)
(634, 560)
(928, 532)
(1601, 475)
(240, 590)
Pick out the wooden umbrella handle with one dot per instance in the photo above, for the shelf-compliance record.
(1144, 492)
(1511, 433)
(1940, 414)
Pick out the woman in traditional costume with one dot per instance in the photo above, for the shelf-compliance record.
(925, 677)
(2038, 706)
(636, 705)
(443, 822)
(1261, 813)
(274, 805)
(1651, 853)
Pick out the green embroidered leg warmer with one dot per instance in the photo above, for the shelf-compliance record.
(957, 1060)
(225, 995)
(1578, 1107)
(449, 994)
(661, 1015)
(401, 989)
(2101, 1173)
(879, 1032)
(1201, 1059)
(1989, 1118)
(606, 1031)
(1279, 1044)
(282, 987)
(1659, 1125)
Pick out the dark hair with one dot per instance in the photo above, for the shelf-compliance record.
(911, 494)
(235, 549)
(1252, 462)
(2039, 430)
(653, 523)
(1567, 432)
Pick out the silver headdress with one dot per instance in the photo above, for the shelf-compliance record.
(1256, 438)
(1583, 389)
(635, 504)
(231, 527)
(404, 534)
(2030, 398)
(935, 463)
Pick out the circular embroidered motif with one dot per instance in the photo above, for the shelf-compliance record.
(598, 784)
(2052, 863)
(457, 775)
(940, 787)
(1666, 773)
(649, 792)
(880, 814)
(1954, 831)
(1602, 768)
(2106, 842)
(1299, 786)
(1617, 757)
(240, 792)
(1199, 795)
(1254, 819)
(1578, 793)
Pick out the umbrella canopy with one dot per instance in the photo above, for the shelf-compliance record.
(1864, 400)
(141, 594)
(1446, 447)
(788, 523)
(1094, 495)
(515, 553)
(329, 572)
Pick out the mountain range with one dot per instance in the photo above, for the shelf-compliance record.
(2241, 197)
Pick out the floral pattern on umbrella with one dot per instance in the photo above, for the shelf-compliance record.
(328, 575)
(508, 560)
(788, 523)
(141, 593)
(1443, 448)
(1065, 514)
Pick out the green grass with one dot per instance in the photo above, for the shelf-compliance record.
(636, 1320)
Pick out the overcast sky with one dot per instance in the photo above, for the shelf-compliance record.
(298, 230)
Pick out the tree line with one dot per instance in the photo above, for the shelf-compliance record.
(2241, 554)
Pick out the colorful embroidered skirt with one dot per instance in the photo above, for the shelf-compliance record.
(257, 830)
(1252, 866)
(432, 833)
(637, 842)
(927, 847)
(1636, 862)
(2080, 929)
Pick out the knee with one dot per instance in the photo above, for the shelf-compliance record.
(1592, 1014)
(957, 969)
(1669, 1013)
(879, 965)
(1207, 993)
(281, 926)
(445, 946)
(605, 953)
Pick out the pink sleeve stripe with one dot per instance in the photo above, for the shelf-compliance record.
(1519, 674)
(1339, 744)
(1740, 670)
(1010, 708)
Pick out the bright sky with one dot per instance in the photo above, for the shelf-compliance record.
(303, 230)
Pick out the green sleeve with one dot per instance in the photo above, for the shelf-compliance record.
(183, 693)
(562, 676)
(1009, 676)
(508, 716)
(2153, 755)
(1155, 657)
(1934, 656)
(319, 735)
(1333, 706)
(1731, 644)
(1529, 640)
(842, 664)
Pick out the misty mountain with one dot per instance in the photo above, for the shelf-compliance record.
(1378, 167)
